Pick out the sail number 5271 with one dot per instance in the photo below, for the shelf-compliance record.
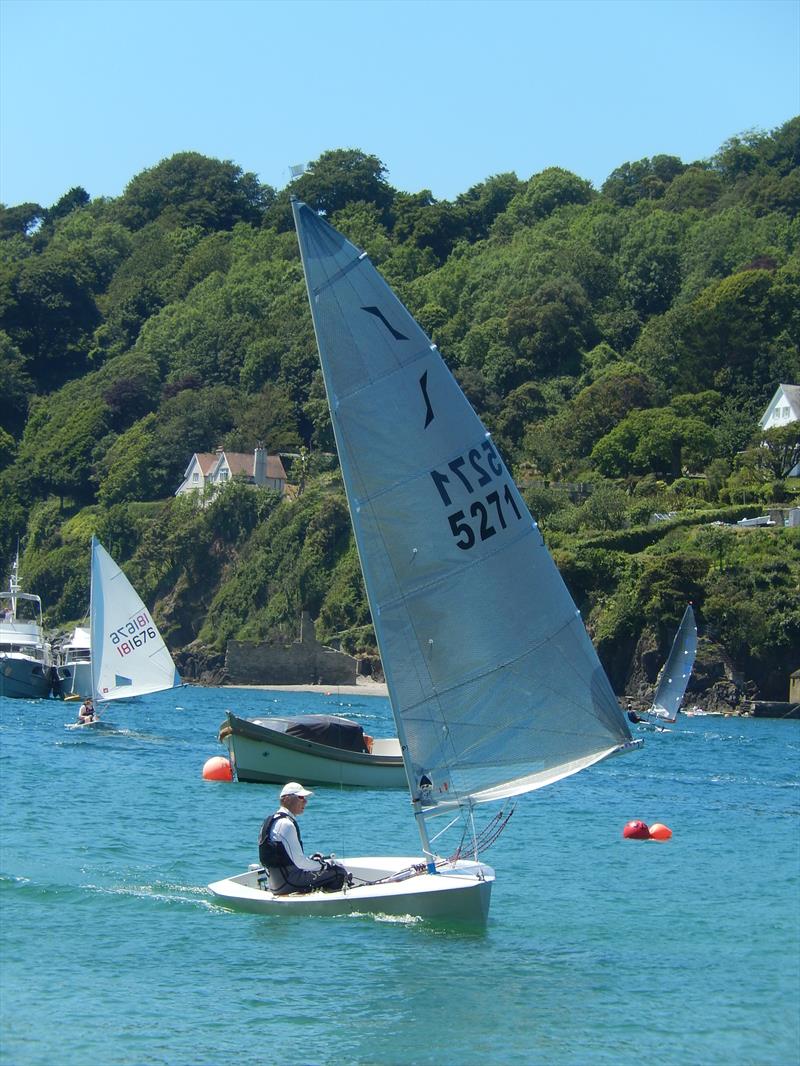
(486, 514)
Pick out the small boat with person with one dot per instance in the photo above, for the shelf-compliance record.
(128, 655)
(494, 684)
(320, 749)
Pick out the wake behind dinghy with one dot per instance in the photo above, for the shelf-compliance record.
(494, 684)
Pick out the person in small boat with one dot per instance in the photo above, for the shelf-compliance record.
(280, 850)
(634, 717)
(86, 712)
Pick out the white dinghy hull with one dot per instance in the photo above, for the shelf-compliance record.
(458, 893)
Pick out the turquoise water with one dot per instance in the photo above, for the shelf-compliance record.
(598, 950)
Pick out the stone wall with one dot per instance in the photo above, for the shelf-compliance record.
(304, 662)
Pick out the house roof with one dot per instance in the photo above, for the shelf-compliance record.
(791, 394)
(205, 460)
(275, 468)
(242, 463)
(239, 462)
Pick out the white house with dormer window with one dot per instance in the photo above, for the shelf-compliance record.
(198, 472)
(218, 468)
(783, 408)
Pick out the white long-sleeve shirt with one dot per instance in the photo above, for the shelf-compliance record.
(285, 831)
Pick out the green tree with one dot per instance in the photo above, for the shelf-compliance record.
(484, 202)
(545, 193)
(549, 330)
(194, 190)
(650, 262)
(338, 178)
(74, 198)
(646, 179)
(19, 221)
(16, 386)
(697, 187)
(656, 441)
(782, 445)
(52, 314)
(266, 418)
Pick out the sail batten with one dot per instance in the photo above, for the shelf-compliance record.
(493, 681)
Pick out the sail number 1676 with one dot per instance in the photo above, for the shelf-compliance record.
(133, 634)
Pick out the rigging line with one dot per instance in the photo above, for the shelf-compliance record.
(474, 834)
(339, 274)
(449, 824)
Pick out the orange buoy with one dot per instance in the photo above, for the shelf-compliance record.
(659, 831)
(217, 769)
(636, 831)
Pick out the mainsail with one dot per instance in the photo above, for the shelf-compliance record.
(677, 670)
(129, 656)
(495, 686)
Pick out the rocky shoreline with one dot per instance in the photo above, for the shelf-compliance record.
(716, 685)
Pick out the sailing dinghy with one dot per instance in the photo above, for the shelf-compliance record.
(495, 686)
(675, 674)
(129, 656)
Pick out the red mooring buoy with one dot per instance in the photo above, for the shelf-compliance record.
(659, 831)
(636, 831)
(217, 769)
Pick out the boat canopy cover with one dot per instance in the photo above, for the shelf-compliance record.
(326, 729)
(494, 683)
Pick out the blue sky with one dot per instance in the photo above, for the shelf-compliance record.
(444, 92)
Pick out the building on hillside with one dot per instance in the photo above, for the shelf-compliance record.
(783, 408)
(198, 472)
(256, 468)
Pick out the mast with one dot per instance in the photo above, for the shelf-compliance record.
(13, 584)
(94, 643)
(419, 816)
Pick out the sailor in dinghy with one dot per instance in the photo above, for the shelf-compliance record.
(280, 850)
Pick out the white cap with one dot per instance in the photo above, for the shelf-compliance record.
(294, 788)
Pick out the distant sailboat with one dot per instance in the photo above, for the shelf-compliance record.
(676, 672)
(494, 684)
(129, 656)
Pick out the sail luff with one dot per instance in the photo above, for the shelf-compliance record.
(95, 620)
(491, 674)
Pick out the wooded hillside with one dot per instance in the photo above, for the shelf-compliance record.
(620, 344)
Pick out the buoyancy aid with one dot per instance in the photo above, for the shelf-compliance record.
(271, 852)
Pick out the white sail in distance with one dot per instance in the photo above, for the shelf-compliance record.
(677, 670)
(494, 683)
(129, 656)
